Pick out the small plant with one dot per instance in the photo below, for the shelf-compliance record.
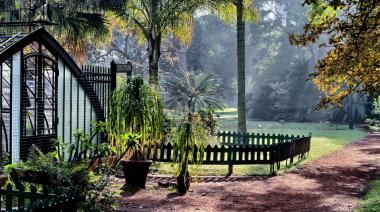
(71, 178)
(188, 136)
(131, 147)
(83, 146)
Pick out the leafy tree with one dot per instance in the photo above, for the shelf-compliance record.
(155, 19)
(352, 65)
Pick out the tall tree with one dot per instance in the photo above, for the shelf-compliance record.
(353, 63)
(153, 20)
(245, 11)
(240, 29)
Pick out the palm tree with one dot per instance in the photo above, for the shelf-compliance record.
(191, 92)
(240, 29)
(245, 12)
(77, 22)
(153, 20)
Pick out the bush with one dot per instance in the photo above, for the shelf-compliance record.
(91, 188)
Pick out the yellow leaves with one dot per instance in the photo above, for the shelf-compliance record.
(115, 21)
(227, 12)
(184, 31)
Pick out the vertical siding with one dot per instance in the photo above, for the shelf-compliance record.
(74, 106)
(61, 99)
(16, 107)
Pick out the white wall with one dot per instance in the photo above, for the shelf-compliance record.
(16, 107)
(70, 106)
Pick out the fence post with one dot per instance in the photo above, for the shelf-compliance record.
(113, 75)
(230, 164)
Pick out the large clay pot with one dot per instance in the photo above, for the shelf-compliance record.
(136, 172)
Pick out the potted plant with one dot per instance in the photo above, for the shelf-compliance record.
(135, 109)
(134, 163)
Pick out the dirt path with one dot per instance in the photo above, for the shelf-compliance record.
(332, 183)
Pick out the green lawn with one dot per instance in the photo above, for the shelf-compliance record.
(326, 138)
(371, 201)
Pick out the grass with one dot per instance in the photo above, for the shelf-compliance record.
(326, 138)
(371, 201)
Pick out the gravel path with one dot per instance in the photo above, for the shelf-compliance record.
(335, 182)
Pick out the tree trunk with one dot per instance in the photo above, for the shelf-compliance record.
(351, 125)
(241, 66)
(183, 179)
(154, 52)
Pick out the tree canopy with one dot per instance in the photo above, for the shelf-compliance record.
(353, 63)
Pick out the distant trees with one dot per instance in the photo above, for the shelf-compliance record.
(153, 20)
(353, 63)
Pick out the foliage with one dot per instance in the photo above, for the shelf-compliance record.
(189, 132)
(191, 92)
(70, 178)
(5, 158)
(155, 20)
(136, 108)
(77, 21)
(82, 145)
(101, 196)
(209, 120)
(373, 120)
(352, 65)
(188, 136)
(131, 147)
(371, 201)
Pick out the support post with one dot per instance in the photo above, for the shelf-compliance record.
(230, 169)
(230, 164)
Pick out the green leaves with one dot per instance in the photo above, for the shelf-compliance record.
(226, 10)
(135, 108)
(352, 64)
(190, 92)
(189, 137)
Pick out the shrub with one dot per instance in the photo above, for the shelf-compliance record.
(68, 178)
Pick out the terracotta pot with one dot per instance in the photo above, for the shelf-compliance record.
(3, 180)
(110, 161)
(135, 172)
